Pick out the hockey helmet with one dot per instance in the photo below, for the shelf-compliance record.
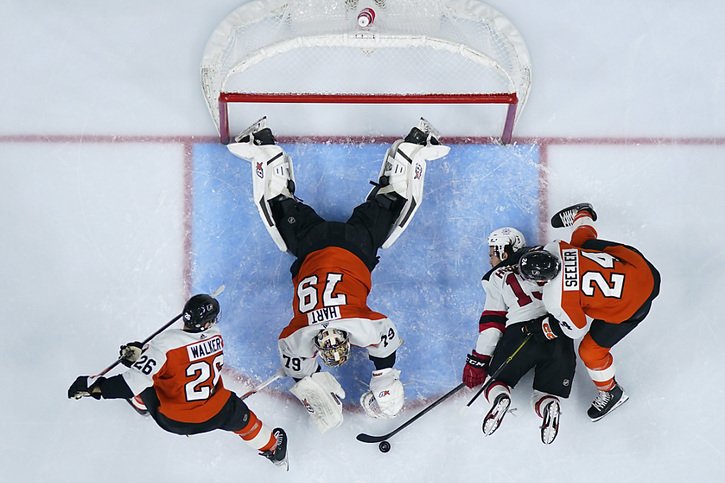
(506, 237)
(200, 312)
(539, 265)
(333, 345)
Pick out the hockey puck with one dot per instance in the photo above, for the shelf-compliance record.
(384, 446)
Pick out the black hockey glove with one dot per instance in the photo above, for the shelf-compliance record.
(543, 329)
(80, 388)
(129, 353)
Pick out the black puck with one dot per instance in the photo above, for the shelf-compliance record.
(384, 446)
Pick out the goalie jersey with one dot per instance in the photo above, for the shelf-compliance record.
(331, 290)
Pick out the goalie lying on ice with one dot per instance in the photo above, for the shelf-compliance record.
(332, 270)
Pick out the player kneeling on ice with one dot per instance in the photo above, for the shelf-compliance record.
(598, 291)
(332, 271)
(512, 304)
(176, 378)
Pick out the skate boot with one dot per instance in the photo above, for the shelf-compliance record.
(272, 172)
(138, 405)
(495, 415)
(550, 425)
(606, 402)
(565, 216)
(278, 455)
(402, 173)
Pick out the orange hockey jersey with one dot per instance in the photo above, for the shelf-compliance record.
(331, 284)
(610, 284)
(185, 370)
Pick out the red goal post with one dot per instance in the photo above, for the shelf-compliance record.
(427, 52)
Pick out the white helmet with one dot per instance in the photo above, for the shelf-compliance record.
(506, 236)
(334, 346)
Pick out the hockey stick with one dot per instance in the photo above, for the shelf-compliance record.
(277, 375)
(168, 324)
(367, 438)
(497, 372)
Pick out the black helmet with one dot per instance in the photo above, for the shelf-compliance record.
(200, 312)
(539, 266)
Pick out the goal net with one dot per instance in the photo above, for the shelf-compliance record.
(458, 62)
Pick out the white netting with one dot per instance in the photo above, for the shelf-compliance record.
(412, 47)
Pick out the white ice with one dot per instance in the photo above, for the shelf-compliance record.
(627, 98)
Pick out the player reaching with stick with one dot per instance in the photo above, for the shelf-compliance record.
(176, 378)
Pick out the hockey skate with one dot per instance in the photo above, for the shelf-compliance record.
(272, 172)
(403, 172)
(138, 405)
(495, 415)
(606, 402)
(565, 217)
(550, 425)
(278, 455)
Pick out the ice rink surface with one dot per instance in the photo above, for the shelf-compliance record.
(106, 148)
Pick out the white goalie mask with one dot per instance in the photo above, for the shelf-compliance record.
(506, 236)
(334, 346)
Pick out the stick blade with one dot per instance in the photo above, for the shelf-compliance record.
(367, 438)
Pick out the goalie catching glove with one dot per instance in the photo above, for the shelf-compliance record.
(386, 396)
(321, 396)
(542, 328)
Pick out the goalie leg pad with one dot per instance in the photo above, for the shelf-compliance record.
(272, 176)
(402, 175)
(321, 396)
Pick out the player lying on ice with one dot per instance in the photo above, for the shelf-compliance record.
(332, 271)
(177, 379)
(513, 302)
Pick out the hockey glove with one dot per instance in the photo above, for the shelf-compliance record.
(476, 369)
(386, 396)
(81, 388)
(129, 353)
(543, 329)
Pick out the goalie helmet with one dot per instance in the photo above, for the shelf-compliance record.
(334, 346)
(506, 237)
(200, 312)
(539, 266)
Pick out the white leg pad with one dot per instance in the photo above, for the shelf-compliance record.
(271, 171)
(405, 166)
(321, 395)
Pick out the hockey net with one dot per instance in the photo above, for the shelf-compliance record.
(301, 53)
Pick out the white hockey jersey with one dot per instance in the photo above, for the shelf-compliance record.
(510, 299)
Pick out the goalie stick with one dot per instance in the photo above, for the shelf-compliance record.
(565, 217)
(368, 438)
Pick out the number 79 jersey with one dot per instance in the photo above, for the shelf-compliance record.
(185, 370)
(598, 280)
